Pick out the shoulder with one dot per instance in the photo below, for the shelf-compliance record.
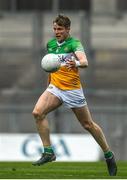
(77, 45)
(74, 40)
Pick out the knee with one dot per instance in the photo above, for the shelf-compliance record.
(38, 115)
(88, 126)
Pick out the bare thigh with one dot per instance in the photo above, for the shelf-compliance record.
(83, 115)
(46, 103)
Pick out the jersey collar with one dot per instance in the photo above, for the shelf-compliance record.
(60, 44)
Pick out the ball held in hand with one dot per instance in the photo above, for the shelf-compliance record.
(50, 63)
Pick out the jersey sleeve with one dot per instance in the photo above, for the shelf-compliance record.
(77, 46)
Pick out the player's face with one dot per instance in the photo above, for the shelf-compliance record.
(61, 33)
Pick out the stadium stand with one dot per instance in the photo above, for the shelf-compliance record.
(22, 80)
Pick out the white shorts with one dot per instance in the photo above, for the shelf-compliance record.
(70, 98)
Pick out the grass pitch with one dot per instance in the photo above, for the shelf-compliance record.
(60, 170)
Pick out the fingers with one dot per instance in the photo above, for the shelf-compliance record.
(70, 64)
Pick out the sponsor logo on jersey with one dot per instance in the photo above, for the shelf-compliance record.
(66, 49)
(63, 58)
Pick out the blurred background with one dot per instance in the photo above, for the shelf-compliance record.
(101, 25)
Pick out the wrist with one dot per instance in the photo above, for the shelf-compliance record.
(77, 63)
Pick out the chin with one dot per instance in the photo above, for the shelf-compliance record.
(60, 40)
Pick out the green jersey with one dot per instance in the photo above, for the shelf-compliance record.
(63, 78)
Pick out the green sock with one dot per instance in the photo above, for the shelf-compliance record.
(48, 149)
(108, 154)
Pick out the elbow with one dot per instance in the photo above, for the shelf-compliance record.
(85, 64)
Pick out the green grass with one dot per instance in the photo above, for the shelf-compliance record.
(60, 170)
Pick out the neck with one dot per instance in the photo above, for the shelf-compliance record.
(64, 39)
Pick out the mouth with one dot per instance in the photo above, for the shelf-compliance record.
(58, 36)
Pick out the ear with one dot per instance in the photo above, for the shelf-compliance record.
(68, 29)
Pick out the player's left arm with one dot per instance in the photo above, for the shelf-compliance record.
(81, 59)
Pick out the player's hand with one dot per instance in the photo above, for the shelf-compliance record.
(70, 64)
